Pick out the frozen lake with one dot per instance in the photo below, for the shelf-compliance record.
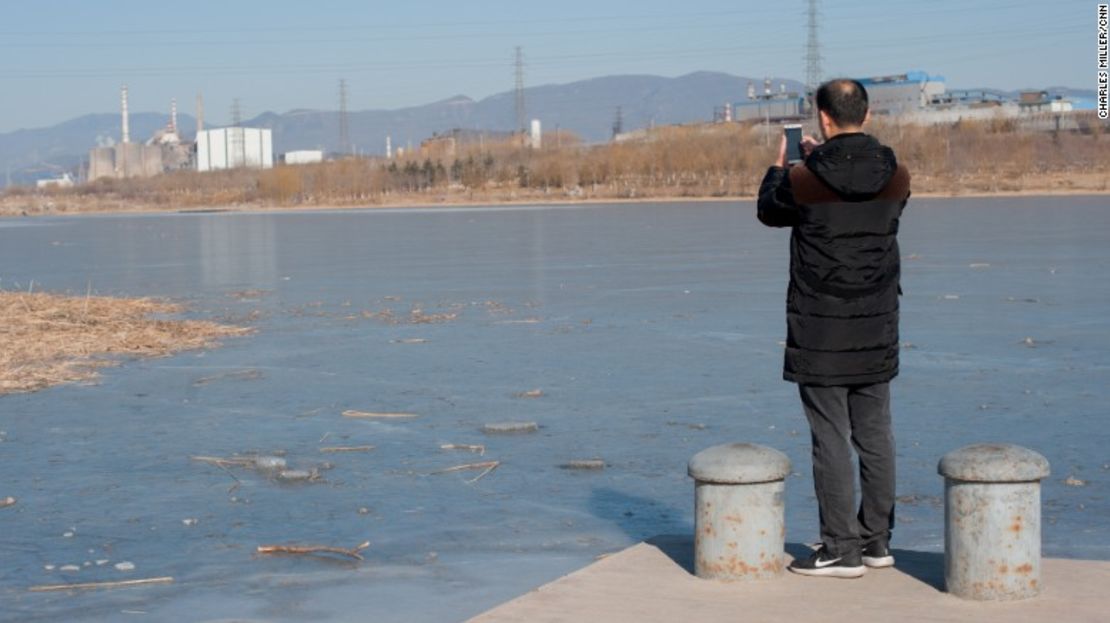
(652, 330)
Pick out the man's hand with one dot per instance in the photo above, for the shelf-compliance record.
(808, 145)
(781, 162)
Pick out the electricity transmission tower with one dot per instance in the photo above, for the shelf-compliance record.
(344, 127)
(236, 145)
(618, 123)
(521, 117)
(200, 113)
(813, 54)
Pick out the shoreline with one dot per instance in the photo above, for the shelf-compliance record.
(508, 203)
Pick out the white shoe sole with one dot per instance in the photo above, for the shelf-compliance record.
(832, 572)
(878, 563)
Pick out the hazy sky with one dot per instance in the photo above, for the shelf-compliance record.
(60, 59)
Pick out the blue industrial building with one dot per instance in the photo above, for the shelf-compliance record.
(903, 93)
(897, 94)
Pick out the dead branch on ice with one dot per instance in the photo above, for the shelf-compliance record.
(43, 588)
(487, 466)
(354, 552)
(333, 449)
(222, 462)
(374, 415)
(469, 447)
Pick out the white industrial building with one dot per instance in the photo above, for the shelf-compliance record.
(303, 156)
(232, 148)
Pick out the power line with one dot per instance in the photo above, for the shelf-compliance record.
(286, 42)
(760, 44)
(115, 42)
(843, 14)
(761, 53)
(565, 59)
(377, 26)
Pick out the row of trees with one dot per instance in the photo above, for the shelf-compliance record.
(707, 160)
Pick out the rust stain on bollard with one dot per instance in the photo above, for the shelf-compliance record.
(739, 512)
(992, 521)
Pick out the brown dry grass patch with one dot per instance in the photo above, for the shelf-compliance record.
(50, 339)
(669, 162)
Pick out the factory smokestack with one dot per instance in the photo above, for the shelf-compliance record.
(126, 134)
(173, 115)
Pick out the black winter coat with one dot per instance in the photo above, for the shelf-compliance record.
(842, 303)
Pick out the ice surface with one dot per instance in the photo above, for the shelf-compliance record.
(653, 330)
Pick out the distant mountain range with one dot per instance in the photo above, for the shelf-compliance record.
(587, 108)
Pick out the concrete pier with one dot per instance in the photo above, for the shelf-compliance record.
(653, 582)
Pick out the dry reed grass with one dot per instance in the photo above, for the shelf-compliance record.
(51, 339)
(697, 161)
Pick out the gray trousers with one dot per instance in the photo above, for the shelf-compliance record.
(841, 418)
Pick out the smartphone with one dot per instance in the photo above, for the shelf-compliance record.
(793, 133)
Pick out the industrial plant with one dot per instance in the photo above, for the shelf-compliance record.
(211, 150)
(914, 97)
(126, 159)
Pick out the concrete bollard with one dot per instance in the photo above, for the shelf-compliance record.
(738, 511)
(992, 521)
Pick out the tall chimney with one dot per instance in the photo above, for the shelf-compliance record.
(200, 113)
(173, 115)
(126, 138)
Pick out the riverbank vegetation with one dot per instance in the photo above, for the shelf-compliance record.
(698, 161)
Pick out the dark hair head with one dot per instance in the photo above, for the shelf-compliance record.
(844, 100)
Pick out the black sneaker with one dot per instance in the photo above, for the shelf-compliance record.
(822, 563)
(876, 554)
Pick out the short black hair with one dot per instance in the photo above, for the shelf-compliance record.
(844, 100)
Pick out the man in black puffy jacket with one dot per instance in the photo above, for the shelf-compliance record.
(843, 204)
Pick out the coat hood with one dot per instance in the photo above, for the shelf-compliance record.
(857, 166)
